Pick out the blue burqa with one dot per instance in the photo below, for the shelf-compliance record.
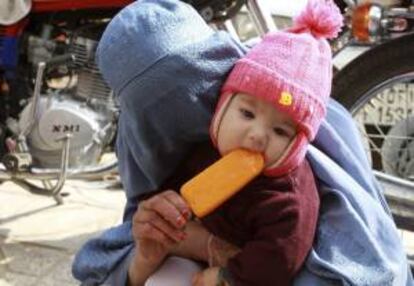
(166, 67)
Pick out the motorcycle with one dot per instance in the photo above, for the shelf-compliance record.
(57, 115)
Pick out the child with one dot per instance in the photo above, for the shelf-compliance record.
(273, 103)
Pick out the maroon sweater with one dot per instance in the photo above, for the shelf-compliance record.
(273, 220)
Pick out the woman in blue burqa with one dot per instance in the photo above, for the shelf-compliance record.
(160, 57)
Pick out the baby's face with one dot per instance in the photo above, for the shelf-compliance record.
(254, 124)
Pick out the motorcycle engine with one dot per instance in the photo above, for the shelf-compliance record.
(86, 110)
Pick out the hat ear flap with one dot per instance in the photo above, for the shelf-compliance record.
(291, 158)
(221, 109)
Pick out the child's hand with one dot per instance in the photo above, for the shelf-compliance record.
(207, 277)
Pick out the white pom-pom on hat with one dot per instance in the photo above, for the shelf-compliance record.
(322, 18)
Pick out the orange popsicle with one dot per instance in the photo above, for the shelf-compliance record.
(217, 183)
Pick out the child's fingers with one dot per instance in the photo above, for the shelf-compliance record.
(155, 220)
(149, 231)
(179, 203)
(165, 204)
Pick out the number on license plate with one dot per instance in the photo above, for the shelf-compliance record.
(389, 106)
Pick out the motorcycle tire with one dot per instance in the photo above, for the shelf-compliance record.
(370, 69)
(353, 87)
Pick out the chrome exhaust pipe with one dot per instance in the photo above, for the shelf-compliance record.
(53, 174)
(399, 194)
(396, 188)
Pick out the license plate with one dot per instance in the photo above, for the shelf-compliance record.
(389, 106)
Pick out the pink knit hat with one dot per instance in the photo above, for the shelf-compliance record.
(292, 70)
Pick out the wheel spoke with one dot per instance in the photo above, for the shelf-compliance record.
(386, 126)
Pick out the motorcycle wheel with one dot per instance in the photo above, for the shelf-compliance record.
(378, 89)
